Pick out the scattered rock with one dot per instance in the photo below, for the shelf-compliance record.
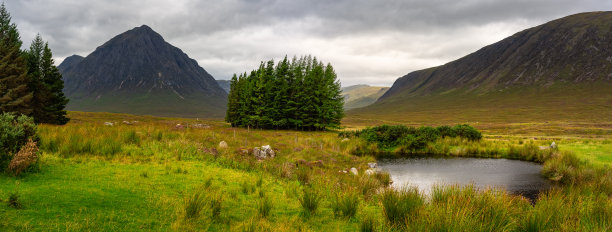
(372, 165)
(222, 145)
(128, 123)
(264, 152)
(201, 126)
(544, 147)
(179, 126)
(212, 151)
(553, 145)
(370, 172)
(108, 124)
(268, 150)
(354, 171)
(345, 140)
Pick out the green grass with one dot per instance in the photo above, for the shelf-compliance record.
(152, 176)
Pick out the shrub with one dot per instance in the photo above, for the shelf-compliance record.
(310, 201)
(399, 205)
(468, 132)
(24, 158)
(384, 178)
(446, 131)
(14, 134)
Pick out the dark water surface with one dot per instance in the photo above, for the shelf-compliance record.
(515, 176)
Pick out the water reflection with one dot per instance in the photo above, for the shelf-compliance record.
(515, 176)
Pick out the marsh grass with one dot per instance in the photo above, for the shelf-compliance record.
(402, 205)
(79, 154)
(345, 204)
(14, 200)
(309, 201)
(368, 223)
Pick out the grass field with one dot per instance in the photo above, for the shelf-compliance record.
(149, 174)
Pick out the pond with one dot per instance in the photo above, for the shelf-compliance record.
(515, 176)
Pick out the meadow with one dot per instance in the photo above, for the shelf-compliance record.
(159, 174)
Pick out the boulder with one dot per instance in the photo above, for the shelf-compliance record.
(108, 123)
(354, 171)
(372, 165)
(345, 140)
(264, 152)
(128, 123)
(370, 172)
(222, 145)
(553, 145)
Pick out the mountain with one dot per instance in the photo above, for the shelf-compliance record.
(224, 84)
(138, 72)
(356, 96)
(69, 63)
(558, 71)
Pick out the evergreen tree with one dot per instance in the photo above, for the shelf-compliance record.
(301, 94)
(46, 84)
(14, 92)
(52, 79)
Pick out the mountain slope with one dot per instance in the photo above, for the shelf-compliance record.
(138, 72)
(561, 70)
(69, 63)
(224, 84)
(356, 96)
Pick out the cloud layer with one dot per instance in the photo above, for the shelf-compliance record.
(368, 42)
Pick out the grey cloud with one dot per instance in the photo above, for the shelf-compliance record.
(367, 41)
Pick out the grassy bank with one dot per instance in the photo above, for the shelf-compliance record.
(151, 174)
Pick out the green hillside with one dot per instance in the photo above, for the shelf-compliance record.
(357, 96)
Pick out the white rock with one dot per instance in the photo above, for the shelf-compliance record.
(370, 172)
(222, 145)
(553, 145)
(108, 123)
(372, 165)
(345, 140)
(354, 171)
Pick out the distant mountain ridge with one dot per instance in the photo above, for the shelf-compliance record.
(356, 96)
(224, 84)
(138, 72)
(557, 67)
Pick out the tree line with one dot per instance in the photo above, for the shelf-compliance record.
(302, 94)
(30, 83)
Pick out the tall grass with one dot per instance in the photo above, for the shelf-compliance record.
(345, 204)
(401, 206)
(309, 201)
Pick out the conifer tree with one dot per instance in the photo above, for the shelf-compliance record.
(52, 79)
(46, 84)
(301, 94)
(14, 91)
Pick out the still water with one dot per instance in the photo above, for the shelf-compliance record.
(515, 176)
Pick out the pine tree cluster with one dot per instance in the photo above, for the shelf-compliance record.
(302, 94)
(30, 83)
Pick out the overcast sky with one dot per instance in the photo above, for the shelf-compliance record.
(367, 41)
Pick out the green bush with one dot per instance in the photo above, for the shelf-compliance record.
(467, 131)
(14, 133)
(403, 139)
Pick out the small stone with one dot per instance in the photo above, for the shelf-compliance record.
(354, 171)
(345, 140)
(372, 165)
(370, 172)
(553, 145)
(222, 145)
(108, 123)
(128, 123)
